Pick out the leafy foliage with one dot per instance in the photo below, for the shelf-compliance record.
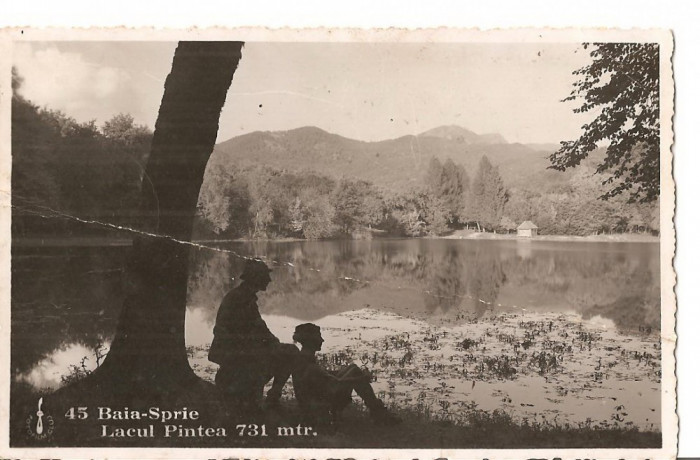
(575, 209)
(67, 167)
(622, 83)
(488, 195)
(122, 128)
(448, 183)
(261, 202)
(357, 204)
(319, 216)
(63, 167)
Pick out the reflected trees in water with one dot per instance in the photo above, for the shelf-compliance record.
(434, 278)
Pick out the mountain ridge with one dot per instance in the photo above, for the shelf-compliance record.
(460, 134)
(396, 164)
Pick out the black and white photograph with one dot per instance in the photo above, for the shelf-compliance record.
(384, 243)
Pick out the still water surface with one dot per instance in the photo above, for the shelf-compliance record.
(557, 332)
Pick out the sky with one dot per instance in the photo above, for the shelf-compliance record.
(365, 91)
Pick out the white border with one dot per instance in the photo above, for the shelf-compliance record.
(435, 35)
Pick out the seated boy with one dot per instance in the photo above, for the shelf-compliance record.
(318, 390)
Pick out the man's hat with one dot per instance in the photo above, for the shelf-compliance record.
(254, 268)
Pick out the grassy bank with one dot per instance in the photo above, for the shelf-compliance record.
(613, 238)
(494, 430)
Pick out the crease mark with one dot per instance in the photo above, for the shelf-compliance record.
(62, 215)
(274, 262)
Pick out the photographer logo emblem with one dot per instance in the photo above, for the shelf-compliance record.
(39, 424)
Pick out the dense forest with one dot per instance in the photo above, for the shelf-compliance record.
(263, 202)
(66, 172)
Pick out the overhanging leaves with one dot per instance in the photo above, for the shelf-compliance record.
(622, 81)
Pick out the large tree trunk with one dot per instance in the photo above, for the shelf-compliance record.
(147, 360)
(147, 364)
(149, 346)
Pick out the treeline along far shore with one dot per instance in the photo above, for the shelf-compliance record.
(70, 177)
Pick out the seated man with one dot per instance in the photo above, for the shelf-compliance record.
(320, 391)
(249, 355)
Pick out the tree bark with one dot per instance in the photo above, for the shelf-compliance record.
(148, 351)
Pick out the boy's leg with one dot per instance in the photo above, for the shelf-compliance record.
(281, 364)
(340, 397)
(364, 390)
(342, 391)
(353, 371)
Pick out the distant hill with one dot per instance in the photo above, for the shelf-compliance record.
(544, 147)
(396, 164)
(462, 135)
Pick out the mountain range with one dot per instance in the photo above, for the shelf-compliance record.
(396, 164)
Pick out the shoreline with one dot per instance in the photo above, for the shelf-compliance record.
(610, 238)
(458, 235)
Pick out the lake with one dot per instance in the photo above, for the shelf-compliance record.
(550, 332)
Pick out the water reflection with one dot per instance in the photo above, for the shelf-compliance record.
(58, 367)
(65, 301)
(434, 279)
(62, 298)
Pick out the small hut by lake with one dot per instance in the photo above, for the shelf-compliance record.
(527, 229)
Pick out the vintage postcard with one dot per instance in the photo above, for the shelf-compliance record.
(337, 244)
